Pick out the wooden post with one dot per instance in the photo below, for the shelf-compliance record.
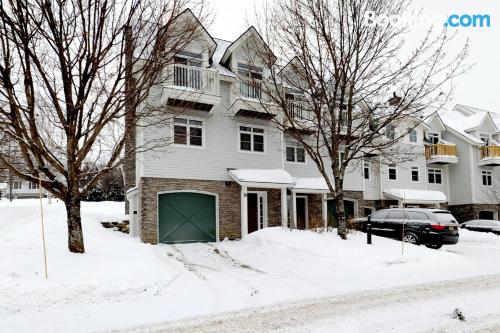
(324, 210)
(43, 227)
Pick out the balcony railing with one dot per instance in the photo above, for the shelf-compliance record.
(440, 149)
(250, 88)
(489, 152)
(195, 78)
(298, 112)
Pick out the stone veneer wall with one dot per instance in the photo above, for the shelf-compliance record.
(229, 204)
(468, 212)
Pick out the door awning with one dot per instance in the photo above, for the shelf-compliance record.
(310, 185)
(267, 178)
(416, 196)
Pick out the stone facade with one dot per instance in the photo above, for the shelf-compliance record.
(229, 204)
(468, 212)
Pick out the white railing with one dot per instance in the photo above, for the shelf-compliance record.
(200, 79)
(250, 88)
(298, 112)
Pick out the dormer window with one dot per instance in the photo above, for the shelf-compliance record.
(250, 76)
(485, 138)
(433, 137)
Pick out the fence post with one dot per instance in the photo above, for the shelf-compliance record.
(369, 232)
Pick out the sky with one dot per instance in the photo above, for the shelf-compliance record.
(479, 87)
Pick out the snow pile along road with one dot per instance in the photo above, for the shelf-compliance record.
(121, 282)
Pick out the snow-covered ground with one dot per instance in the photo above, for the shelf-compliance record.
(121, 282)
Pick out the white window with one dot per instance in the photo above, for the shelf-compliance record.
(33, 186)
(413, 135)
(414, 174)
(392, 172)
(16, 185)
(390, 132)
(188, 132)
(295, 152)
(251, 139)
(366, 169)
(485, 138)
(434, 176)
(486, 175)
(433, 137)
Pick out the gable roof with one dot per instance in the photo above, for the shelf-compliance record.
(222, 45)
(188, 14)
(240, 40)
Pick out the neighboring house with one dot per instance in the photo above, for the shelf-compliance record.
(228, 171)
(465, 141)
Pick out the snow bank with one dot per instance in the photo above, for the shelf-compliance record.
(121, 282)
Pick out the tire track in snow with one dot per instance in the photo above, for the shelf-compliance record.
(291, 316)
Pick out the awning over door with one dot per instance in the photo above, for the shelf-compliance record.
(310, 185)
(268, 178)
(416, 196)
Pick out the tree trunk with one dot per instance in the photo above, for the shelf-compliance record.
(75, 234)
(341, 220)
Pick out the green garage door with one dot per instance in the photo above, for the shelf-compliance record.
(186, 217)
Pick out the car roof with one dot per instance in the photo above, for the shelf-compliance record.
(424, 210)
(480, 220)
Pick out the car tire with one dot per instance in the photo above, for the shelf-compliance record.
(410, 237)
(434, 246)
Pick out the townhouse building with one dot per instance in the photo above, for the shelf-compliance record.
(228, 171)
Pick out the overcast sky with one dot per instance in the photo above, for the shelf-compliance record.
(480, 87)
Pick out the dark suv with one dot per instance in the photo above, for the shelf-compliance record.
(430, 227)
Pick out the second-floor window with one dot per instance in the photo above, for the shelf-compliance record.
(250, 81)
(33, 186)
(366, 169)
(295, 152)
(390, 132)
(414, 174)
(393, 175)
(486, 175)
(251, 139)
(485, 138)
(434, 176)
(16, 185)
(413, 136)
(188, 132)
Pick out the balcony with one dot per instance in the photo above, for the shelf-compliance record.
(440, 153)
(489, 155)
(252, 101)
(192, 87)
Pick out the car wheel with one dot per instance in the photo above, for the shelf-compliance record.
(434, 246)
(411, 238)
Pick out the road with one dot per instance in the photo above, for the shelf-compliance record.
(419, 308)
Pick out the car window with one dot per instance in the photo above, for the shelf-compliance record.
(379, 215)
(444, 217)
(396, 214)
(417, 216)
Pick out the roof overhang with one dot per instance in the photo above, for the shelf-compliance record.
(416, 196)
(266, 178)
(310, 185)
(234, 45)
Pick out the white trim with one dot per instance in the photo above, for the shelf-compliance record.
(188, 140)
(324, 209)
(356, 207)
(418, 173)
(264, 134)
(388, 174)
(244, 211)
(367, 164)
(434, 173)
(284, 207)
(216, 195)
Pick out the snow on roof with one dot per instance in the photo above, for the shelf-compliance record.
(416, 195)
(222, 45)
(316, 184)
(459, 123)
(263, 176)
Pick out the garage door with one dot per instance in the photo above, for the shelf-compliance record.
(186, 217)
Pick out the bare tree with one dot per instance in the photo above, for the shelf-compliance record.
(339, 83)
(71, 71)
